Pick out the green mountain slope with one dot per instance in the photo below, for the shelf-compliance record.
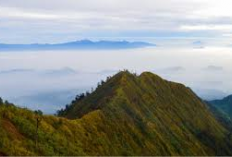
(126, 115)
(222, 117)
(224, 105)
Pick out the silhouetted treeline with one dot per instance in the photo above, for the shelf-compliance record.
(2, 102)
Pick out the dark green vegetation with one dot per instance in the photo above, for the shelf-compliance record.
(225, 105)
(126, 115)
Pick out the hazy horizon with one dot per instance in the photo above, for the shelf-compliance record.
(32, 74)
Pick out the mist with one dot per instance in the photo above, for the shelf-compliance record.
(24, 75)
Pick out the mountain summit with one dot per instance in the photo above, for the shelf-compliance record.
(153, 116)
(125, 115)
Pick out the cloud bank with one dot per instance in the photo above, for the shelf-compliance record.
(58, 20)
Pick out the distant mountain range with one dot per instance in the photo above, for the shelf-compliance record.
(81, 44)
(209, 94)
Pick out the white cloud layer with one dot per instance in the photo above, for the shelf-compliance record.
(54, 20)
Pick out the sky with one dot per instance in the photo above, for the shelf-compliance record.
(40, 21)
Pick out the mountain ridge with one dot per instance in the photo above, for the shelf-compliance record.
(126, 115)
(159, 92)
(79, 44)
(224, 105)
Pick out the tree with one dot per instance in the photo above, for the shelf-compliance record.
(108, 78)
(82, 96)
(87, 93)
(92, 90)
(102, 82)
(6, 102)
(1, 101)
(38, 112)
(38, 116)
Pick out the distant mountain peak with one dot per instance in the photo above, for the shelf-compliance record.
(79, 44)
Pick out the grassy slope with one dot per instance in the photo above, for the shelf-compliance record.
(224, 105)
(127, 115)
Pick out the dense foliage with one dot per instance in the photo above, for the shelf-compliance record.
(126, 115)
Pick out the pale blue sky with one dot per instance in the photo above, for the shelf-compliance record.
(29, 21)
